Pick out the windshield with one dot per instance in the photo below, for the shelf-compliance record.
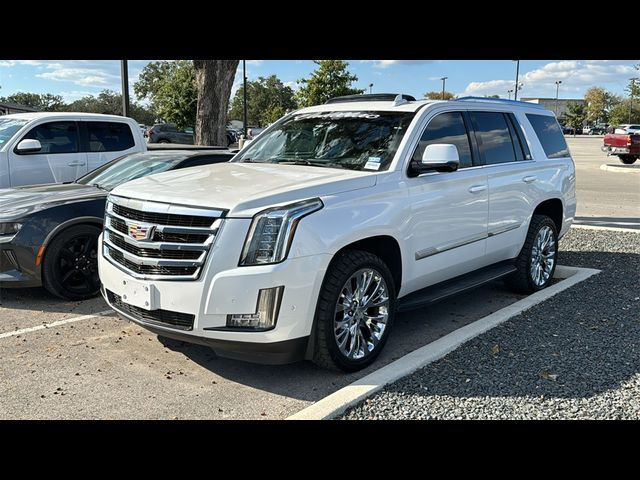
(354, 140)
(8, 127)
(130, 167)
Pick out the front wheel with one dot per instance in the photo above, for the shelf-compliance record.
(70, 267)
(628, 159)
(537, 260)
(356, 308)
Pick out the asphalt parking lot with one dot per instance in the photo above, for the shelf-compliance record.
(103, 367)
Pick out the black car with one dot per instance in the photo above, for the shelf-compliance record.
(169, 133)
(49, 233)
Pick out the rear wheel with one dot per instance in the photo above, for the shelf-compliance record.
(70, 267)
(536, 263)
(356, 308)
(628, 159)
(164, 140)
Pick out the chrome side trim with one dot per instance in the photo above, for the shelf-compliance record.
(505, 229)
(427, 252)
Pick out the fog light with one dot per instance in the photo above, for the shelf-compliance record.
(266, 312)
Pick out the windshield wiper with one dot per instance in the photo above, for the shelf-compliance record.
(99, 186)
(312, 163)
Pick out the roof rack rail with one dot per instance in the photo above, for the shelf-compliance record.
(371, 97)
(497, 100)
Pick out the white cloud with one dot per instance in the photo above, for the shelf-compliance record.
(255, 62)
(575, 76)
(84, 77)
(389, 63)
(72, 95)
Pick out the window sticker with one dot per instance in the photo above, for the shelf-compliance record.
(373, 163)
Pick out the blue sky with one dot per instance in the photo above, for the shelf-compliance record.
(75, 78)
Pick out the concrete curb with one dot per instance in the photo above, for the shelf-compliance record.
(621, 168)
(336, 403)
(610, 229)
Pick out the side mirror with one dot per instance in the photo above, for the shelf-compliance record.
(29, 145)
(441, 157)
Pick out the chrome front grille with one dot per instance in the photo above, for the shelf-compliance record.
(158, 241)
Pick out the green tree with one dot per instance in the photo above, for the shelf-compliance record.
(44, 102)
(268, 99)
(575, 115)
(599, 103)
(330, 79)
(433, 95)
(214, 79)
(110, 103)
(170, 88)
(620, 112)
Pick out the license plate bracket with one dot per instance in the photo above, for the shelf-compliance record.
(137, 293)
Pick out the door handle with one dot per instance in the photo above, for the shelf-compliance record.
(76, 164)
(477, 188)
(529, 179)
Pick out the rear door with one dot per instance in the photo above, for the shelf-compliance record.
(104, 141)
(512, 179)
(59, 160)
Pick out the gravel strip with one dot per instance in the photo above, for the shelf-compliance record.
(574, 356)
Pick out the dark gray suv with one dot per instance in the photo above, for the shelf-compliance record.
(170, 133)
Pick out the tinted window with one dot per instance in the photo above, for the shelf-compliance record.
(446, 128)
(109, 136)
(56, 137)
(519, 134)
(494, 137)
(550, 135)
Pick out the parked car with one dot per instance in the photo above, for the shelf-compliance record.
(48, 233)
(307, 243)
(567, 130)
(46, 147)
(599, 129)
(169, 133)
(143, 129)
(626, 146)
(627, 128)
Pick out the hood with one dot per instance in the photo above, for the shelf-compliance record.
(244, 188)
(18, 202)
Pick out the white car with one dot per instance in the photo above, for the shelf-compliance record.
(43, 147)
(626, 129)
(336, 217)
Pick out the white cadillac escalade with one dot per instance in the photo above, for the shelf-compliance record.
(308, 243)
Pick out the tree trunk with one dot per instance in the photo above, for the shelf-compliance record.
(214, 79)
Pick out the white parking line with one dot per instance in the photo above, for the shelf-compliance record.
(336, 403)
(54, 324)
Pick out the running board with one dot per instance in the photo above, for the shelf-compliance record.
(440, 291)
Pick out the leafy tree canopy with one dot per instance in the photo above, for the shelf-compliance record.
(268, 99)
(330, 79)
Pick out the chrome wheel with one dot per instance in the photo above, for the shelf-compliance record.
(361, 313)
(543, 256)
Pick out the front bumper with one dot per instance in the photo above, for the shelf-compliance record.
(13, 260)
(234, 290)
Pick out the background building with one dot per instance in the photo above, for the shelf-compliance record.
(9, 107)
(550, 103)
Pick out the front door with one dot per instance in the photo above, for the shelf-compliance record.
(447, 215)
(59, 160)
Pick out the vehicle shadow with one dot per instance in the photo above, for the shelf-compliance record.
(582, 342)
(305, 381)
(619, 222)
(38, 299)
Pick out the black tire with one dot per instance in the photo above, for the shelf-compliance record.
(522, 280)
(70, 266)
(327, 353)
(163, 140)
(628, 159)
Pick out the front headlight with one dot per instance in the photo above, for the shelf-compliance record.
(272, 230)
(10, 228)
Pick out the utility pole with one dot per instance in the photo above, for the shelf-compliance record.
(444, 79)
(515, 94)
(558, 82)
(124, 73)
(510, 92)
(370, 88)
(244, 96)
(633, 86)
